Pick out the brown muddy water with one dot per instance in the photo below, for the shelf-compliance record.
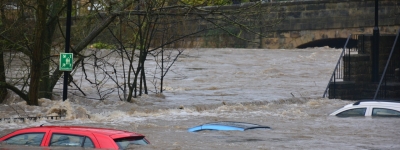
(277, 88)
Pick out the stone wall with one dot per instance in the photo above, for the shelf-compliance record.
(314, 20)
(293, 39)
(303, 22)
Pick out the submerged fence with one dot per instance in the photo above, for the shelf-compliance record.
(351, 78)
(389, 62)
(343, 67)
(27, 119)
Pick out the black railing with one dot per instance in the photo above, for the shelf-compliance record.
(361, 45)
(390, 63)
(343, 67)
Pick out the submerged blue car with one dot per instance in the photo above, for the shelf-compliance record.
(227, 126)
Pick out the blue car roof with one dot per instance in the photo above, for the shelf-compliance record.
(227, 126)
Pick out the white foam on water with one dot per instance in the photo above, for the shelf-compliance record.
(277, 88)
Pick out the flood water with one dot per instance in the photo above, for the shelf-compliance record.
(280, 88)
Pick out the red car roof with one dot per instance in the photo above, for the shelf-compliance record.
(102, 137)
(114, 133)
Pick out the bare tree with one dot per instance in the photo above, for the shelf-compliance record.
(38, 47)
(156, 27)
(138, 29)
(12, 35)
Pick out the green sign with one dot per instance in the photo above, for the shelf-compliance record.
(66, 61)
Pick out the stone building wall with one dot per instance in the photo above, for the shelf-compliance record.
(307, 21)
(304, 21)
(314, 20)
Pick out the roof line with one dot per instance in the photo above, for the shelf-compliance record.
(383, 100)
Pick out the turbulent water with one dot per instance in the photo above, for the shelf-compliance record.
(277, 88)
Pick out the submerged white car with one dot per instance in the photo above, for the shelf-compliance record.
(370, 108)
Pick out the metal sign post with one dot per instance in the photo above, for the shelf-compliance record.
(375, 50)
(67, 60)
(66, 65)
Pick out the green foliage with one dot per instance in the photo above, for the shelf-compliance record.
(206, 2)
(100, 45)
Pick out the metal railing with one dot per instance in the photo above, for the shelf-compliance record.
(34, 119)
(386, 67)
(342, 69)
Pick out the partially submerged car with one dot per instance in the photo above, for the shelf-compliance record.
(226, 126)
(382, 108)
(74, 136)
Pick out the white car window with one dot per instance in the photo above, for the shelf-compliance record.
(33, 139)
(353, 112)
(385, 112)
(130, 142)
(70, 140)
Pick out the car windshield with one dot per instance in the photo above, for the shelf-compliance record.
(353, 112)
(124, 143)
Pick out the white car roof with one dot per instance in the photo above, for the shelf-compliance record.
(371, 103)
(376, 103)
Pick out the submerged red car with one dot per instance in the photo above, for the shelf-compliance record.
(74, 136)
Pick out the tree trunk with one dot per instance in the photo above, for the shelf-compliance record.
(39, 44)
(3, 91)
(45, 86)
